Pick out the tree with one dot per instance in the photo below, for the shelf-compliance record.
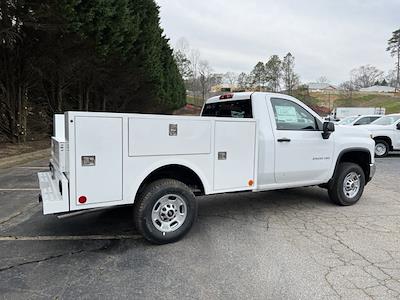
(394, 49)
(194, 58)
(348, 88)
(323, 79)
(73, 54)
(391, 78)
(183, 64)
(365, 76)
(17, 77)
(231, 78)
(205, 77)
(384, 82)
(290, 79)
(242, 81)
(181, 55)
(258, 76)
(273, 72)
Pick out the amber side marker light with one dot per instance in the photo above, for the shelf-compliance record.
(251, 182)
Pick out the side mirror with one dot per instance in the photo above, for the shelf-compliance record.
(327, 129)
(398, 126)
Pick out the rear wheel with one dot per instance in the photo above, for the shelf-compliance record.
(381, 148)
(347, 184)
(165, 211)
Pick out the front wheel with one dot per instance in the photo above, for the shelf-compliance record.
(381, 148)
(165, 211)
(347, 184)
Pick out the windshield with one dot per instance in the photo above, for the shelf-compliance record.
(388, 120)
(347, 121)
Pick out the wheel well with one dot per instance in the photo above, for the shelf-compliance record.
(386, 139)
(359, 157)
(178, 172)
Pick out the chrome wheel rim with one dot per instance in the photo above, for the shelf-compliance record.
(351, 184)
(380, 149)
(169, 213)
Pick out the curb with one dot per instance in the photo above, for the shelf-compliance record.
(14, 160)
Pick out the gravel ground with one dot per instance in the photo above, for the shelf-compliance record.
(289, 244)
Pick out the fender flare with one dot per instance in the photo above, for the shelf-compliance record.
(348, 150)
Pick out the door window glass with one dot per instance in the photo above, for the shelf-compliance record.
(291, 116)
(364, 121)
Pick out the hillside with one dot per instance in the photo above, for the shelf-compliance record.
(389, 101)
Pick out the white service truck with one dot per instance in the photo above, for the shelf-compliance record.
(386, 133)
(242, 142)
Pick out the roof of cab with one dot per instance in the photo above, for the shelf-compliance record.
(236, 96)
(240, 96)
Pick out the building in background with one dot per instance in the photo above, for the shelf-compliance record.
(378, 89)
(321, 87)
(224, 88)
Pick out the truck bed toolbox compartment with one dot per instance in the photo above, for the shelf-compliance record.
(172, 136)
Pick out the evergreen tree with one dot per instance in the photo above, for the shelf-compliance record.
(258, 76)
(83, 55)
(273, 72)
(242, 81)
(290, 79)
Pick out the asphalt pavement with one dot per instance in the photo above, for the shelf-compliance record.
(289, 244)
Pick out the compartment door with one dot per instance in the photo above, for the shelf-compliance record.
(98, 159)
(235, 144)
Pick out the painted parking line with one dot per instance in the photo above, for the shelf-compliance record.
(70, 237)
(18, 190)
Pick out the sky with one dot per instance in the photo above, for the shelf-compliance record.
(327, 37)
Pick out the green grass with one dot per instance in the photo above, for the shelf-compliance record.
(390, 102)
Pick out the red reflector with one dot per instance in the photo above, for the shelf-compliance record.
(226, 96)
(82, 199)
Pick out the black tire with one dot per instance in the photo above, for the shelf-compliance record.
(335, 188)
(146, 201)
(382, 144)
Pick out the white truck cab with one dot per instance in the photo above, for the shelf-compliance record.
(386, 133)
(241, 142)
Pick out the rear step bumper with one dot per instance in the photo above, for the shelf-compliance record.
(53, 201)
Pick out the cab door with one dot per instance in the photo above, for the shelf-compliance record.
(301, 154)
